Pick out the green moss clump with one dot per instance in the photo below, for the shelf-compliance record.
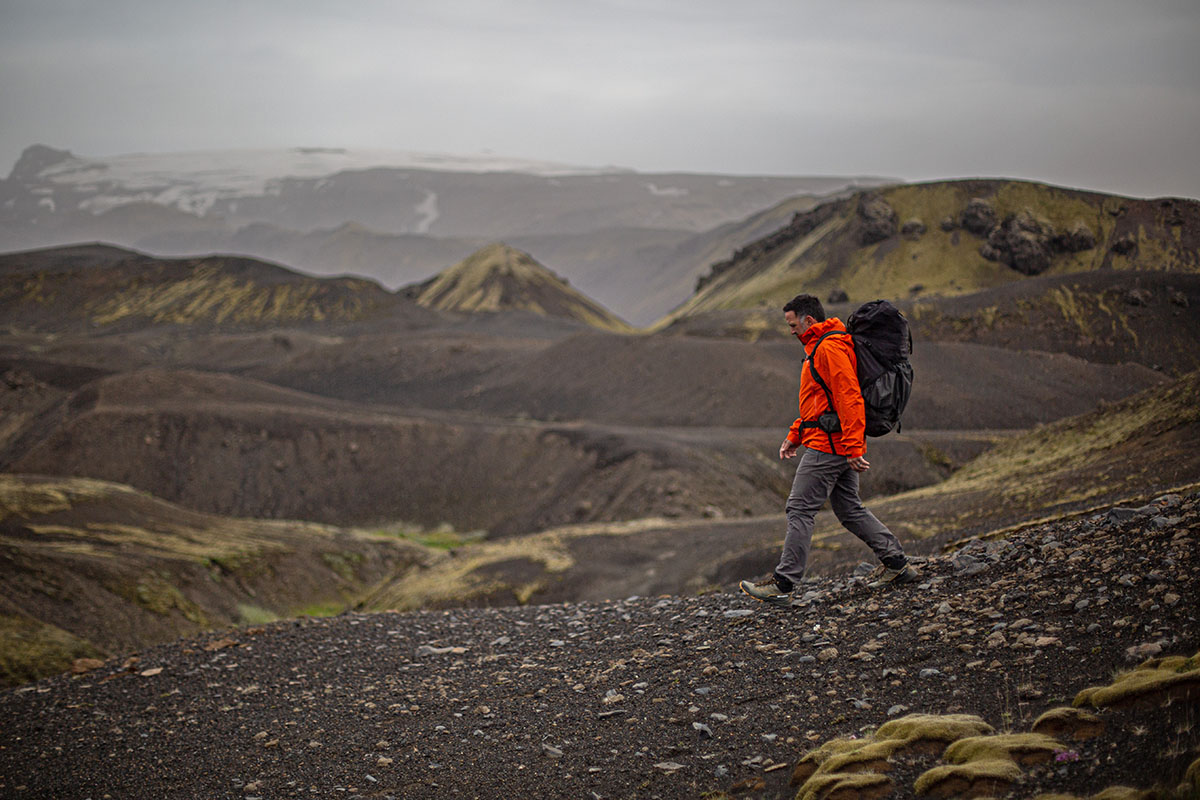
(158, 595)
(968, 780)
(1191, 779)
(813, 759)
(872, 756)
(856, 786)
(1022, 748)
(1064, 720)
(916, 729)
(1173, 677)
(255, 615)
(343, 564)
(1122, 793)
(30, 649)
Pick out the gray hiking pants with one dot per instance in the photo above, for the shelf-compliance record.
(820, 477)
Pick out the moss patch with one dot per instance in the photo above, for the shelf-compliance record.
(932, 732)
(975, 779)
(841, 786)
(1021, 748)
(1069, 721)
(30, 650)
(1153, 682)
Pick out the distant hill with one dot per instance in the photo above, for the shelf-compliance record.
(100, 288)
(1103, 316)
(950, 238)
(395, 217)
(502, 278)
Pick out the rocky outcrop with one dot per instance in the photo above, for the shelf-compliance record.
(1125, 245)
(1076, 239)
(979, 217)
(1022, 242)
(877, 219)
(913, 228)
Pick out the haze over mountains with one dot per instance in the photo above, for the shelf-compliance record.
(205, 440)
(396, 217)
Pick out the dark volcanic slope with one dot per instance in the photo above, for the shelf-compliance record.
(668, 380)
(95, 288)
(1107, 317)
(1149, 318)
(671, 697)
(233, 446)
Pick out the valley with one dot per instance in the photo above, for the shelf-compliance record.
(215, 443)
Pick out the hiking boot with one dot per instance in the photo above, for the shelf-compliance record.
(886, 576)
(767, 591)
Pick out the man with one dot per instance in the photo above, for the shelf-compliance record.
(833, 456)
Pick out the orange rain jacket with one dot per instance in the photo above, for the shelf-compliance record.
(838, 366)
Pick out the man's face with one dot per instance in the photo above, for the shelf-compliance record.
(797, 324)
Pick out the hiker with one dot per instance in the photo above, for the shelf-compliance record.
(833, 456)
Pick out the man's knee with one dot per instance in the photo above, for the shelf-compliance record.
(849, 511)
(803, 506)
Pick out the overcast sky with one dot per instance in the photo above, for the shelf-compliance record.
(1087, 93)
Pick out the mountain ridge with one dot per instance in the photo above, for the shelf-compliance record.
(501, 278)
(950, 238)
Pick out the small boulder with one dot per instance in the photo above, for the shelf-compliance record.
(912, 229)
(979, 217)
(877, 218)
(1124, 245)
(1076, 239)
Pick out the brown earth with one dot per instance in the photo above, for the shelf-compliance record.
(664, 697)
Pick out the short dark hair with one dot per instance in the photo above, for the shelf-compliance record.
(805, 305)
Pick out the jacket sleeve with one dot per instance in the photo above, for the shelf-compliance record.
(836, 365)
(794, 432)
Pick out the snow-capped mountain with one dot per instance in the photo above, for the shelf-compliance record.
(395, 216)
(195, 182)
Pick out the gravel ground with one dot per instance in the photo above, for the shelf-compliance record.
(644, 697)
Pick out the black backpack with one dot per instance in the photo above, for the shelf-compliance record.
(882, 344)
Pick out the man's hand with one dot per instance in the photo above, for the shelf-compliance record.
(788, 449)
(859, 464)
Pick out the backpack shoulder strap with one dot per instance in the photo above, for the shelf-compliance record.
(812, 364)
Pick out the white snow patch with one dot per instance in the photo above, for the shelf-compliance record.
(194, 182)
(427, 210)
(47, 202)
(665, 191)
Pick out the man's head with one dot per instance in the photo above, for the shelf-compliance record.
(802, 311)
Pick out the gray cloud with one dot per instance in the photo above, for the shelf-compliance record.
(1088, 93)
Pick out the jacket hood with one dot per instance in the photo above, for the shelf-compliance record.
(819, 329)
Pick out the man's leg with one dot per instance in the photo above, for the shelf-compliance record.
(816, 475)
(857, 519)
